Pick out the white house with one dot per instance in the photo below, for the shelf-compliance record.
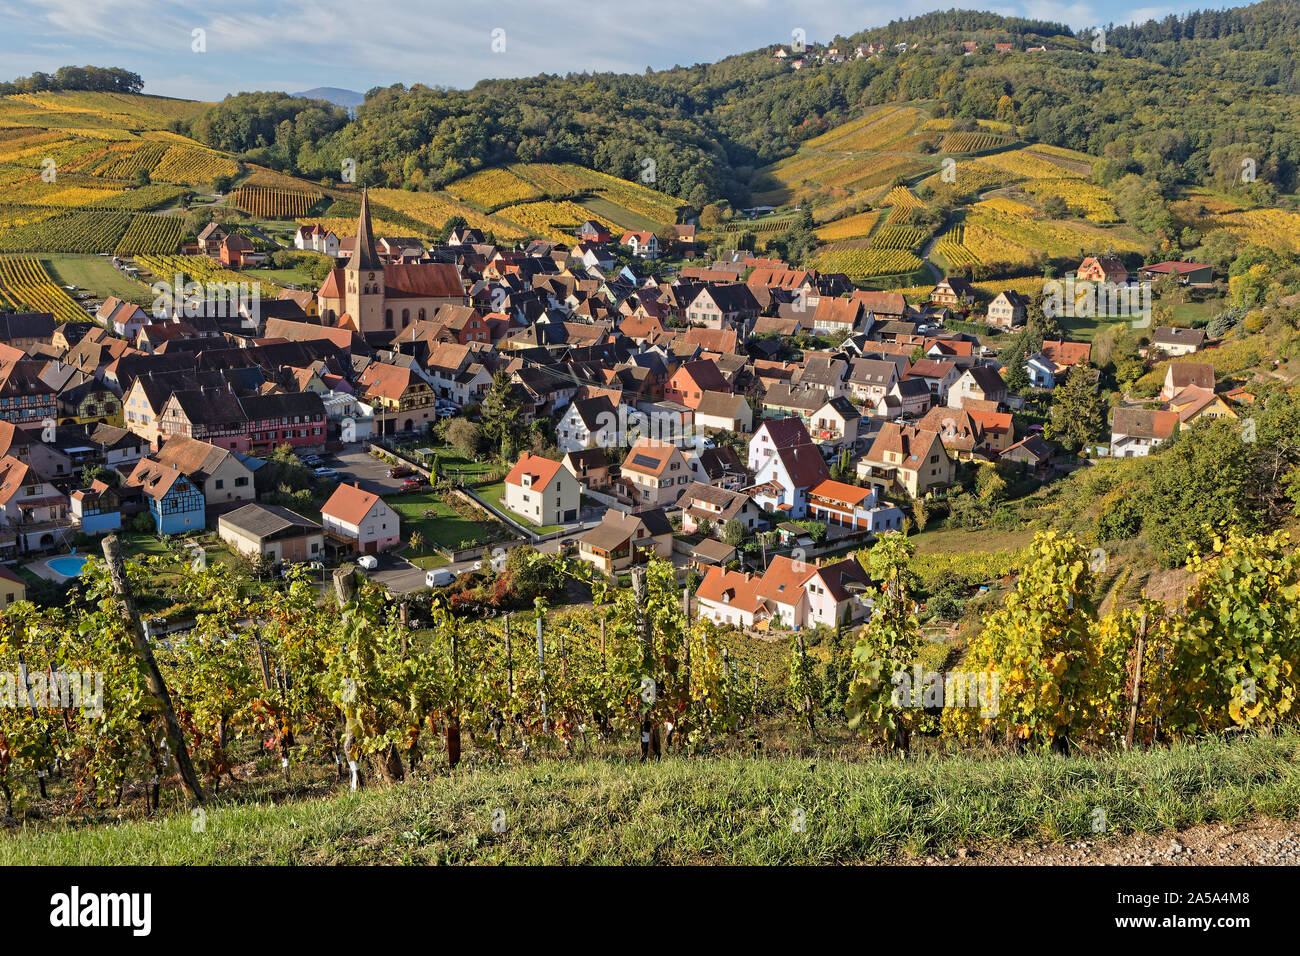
(543, 491)
(361, 518)
(782, 482)
(644, 245)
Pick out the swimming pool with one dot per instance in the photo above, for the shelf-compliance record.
(69, 566)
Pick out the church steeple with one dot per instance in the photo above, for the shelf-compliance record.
(363, 254)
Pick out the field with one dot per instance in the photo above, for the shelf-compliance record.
(446, 529)
(728, 809)
(95, 274)
(26, 285)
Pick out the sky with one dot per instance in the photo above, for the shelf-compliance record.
(295, 45)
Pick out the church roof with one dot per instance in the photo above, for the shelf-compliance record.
(364, 256)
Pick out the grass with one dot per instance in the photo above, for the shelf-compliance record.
(95, 274)
(730, 810)
(445, 528)
(495, 494)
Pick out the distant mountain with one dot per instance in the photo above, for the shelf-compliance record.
(348, 99)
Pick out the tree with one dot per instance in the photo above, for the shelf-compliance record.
(733, 532)
(500, 416)
(1078, 415)
(464, 436)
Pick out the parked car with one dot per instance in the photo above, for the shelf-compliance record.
(311, 461)
(414, 482)
(330, 473)
(438, 577)
(368, 561)
(399, 471)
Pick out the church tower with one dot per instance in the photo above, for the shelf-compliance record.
(363, 287)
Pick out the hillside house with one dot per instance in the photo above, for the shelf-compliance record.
(905, 458)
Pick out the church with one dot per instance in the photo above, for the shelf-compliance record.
(379, 299)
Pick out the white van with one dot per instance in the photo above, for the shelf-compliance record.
(438, 577)
(368, 561)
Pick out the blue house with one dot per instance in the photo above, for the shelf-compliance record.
(97, 509)
(176, 503)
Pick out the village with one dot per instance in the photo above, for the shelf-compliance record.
(608, 410)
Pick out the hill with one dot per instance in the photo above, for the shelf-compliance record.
(348, 99)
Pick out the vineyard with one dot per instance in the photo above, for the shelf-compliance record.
(280, 679)
(81, 231)
(952, 249)
(192, 165)
(850, 227)
(201, 269)
(492, 189)
(266, 202)
(160, 234)
(898, 237)
(27, 286)
(903, 201)
(550, 220)
(1093, 201)
(866, 263)
(970, 142)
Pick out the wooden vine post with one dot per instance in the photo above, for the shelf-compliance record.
(1137, 682)
(153, 676)
(541, 672)
(345, 592)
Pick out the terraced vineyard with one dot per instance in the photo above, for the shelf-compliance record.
(26, 285)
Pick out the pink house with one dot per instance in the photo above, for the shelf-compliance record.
(362, 517)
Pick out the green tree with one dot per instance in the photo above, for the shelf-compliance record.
(500, 416)
(1078, 414)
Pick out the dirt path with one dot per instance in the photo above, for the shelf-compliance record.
(1263, 842)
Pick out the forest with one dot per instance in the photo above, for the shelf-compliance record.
(1161, 100)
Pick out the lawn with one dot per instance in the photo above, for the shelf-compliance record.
(444, 528)
(96, 274)
(495, 494)
(724, 810)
